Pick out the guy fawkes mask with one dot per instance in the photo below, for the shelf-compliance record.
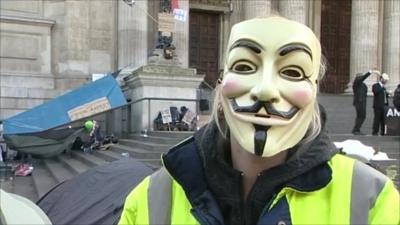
(269, 84)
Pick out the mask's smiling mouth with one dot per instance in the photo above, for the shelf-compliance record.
(262, 115)
(267, 106)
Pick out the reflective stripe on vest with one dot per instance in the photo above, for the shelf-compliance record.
(343, 201)
(366, 185)
(159, 197)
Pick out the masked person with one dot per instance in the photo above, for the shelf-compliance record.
(263, 159)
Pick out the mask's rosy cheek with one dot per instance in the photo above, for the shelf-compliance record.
(301, 98)
(230, 88)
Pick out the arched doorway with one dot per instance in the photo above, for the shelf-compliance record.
(335, 41)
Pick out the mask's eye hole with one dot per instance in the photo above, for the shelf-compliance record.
(292, 73)
(243, 67)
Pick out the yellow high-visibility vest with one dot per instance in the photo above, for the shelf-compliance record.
(357, 194)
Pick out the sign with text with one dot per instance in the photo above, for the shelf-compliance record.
(166, 22)
(180, 15)
(188, 117)
(90, 108)
(166, 116)
(392, 121)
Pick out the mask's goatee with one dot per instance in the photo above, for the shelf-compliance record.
(260, 139)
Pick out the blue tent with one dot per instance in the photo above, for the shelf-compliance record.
(42, 131)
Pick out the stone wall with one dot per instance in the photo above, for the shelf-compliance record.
(50, 47)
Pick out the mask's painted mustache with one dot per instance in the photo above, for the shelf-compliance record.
(267, 106)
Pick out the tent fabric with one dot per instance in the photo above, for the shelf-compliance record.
(44, 144)
(54, 113)
(11, 207)
(96, 196)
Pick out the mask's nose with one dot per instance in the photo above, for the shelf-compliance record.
(266, 90)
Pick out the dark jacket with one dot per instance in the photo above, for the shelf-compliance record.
(360, 89)
(380, 96)
(202, 166)
(396, 98)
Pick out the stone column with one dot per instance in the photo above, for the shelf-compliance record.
(364, 52)
(181, 36)
(237, 12)
(132, 34)
(257, 8)
(72, 47)
(391, 42)
(295, 10)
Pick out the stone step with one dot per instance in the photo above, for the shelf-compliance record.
(25, 187)
(341, 113)
(108, 155)
(154, 139)
(152, 163)
(7, 184)
(135, 152)
(144, 145)
(180, 135)
(88, 159)
(74, 165)
(42, 179)
(58, 170)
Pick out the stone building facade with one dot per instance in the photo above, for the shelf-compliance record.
(51, 46)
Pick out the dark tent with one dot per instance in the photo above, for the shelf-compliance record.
(96, 196)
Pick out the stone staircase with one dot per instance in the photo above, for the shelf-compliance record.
(49, 172)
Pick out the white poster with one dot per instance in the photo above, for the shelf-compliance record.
(180, 14)
(166, 116)
(188, 117)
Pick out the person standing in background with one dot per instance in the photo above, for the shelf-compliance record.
(360, 90)
(396, 98)
(380, 102)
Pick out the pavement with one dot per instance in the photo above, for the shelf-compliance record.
(340, 122)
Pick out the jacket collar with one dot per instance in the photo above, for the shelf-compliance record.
(305, 170)
(191, 161)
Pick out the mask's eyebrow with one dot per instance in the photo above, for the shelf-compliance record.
(245, 43)
(291, 47)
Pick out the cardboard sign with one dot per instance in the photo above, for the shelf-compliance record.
(166, 116)
(90, 108)
(166, 22)
(188, 117)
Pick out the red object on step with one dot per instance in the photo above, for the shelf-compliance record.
(23, 170)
